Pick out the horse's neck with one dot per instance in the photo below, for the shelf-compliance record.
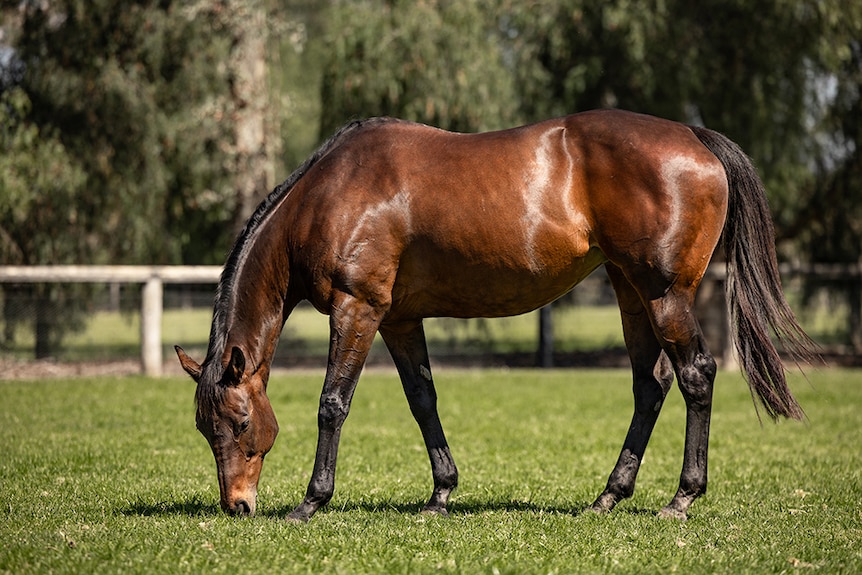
(256, 313)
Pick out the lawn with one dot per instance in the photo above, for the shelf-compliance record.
(109, 476)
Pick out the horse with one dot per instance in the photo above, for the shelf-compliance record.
(390, 222)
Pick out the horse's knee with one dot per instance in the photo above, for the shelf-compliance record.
(332, 412)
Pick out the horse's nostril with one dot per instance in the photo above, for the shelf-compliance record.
(241, 508)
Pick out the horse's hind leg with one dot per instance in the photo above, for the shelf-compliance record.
(406, 343)
(653, 376)
(682, 340)
(695, 367)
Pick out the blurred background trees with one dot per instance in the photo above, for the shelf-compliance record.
(146, 131)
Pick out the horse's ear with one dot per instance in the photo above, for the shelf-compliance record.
(192, 367)
(236, 367)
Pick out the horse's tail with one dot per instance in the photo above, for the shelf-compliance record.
(753, 287)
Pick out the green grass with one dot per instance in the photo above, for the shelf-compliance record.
(110, 476)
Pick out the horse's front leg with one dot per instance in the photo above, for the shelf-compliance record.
(406, 344)
(353, 325)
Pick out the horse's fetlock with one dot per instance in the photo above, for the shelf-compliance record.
(319, 494)
(692, 482)
(448, 480)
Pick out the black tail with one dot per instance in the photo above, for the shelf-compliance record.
(754, 295)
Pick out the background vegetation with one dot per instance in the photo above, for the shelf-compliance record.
(146, 131)
(110, 476)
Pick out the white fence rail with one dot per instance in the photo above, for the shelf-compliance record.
(153, 279)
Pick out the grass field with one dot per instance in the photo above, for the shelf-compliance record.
(110, 476)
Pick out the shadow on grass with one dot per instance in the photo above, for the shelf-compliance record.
(465, 508)
(194, 507)
(190, 507)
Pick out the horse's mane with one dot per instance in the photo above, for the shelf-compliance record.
(224, 298)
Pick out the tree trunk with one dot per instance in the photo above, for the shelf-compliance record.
(250, 106)
(854, 319)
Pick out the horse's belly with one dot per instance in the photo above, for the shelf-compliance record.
(450, 285)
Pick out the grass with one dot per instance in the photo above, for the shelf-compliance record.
(110, 476)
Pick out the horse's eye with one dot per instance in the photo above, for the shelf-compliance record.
(241, 427)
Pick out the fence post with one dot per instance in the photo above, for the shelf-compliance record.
(546, 337)
(151, 326)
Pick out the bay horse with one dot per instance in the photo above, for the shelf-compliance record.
(390, 222)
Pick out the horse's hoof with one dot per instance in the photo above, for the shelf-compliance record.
(603, 504)
(297, 517)
(438, 511)
(669, 513)
(598, 509)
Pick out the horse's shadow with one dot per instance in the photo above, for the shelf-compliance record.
(190, 507)
(195, 507)
(467, 508)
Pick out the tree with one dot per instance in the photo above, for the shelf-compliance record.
(40, 185)
(150, 103)
(436, 61)
(135, 93)
(296, 57)
(830, 225)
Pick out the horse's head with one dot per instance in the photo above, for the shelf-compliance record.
(235, 417)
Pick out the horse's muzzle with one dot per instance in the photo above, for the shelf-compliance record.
(239, 508)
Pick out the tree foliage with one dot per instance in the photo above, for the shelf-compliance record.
(138, 94)
(127, 139)
(41, 188)
(120, 142)
(435, 61)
